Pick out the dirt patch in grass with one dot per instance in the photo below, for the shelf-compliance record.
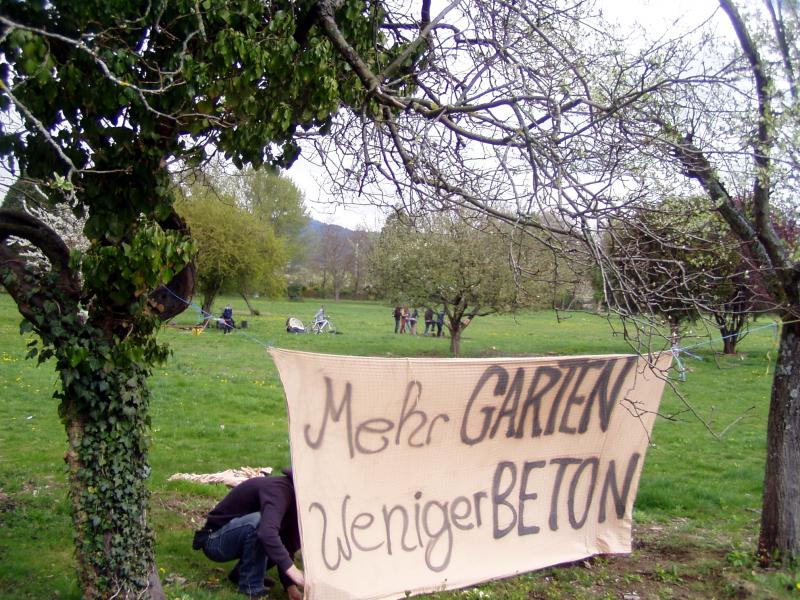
(189, 509)
(6, 503)
(668, 562)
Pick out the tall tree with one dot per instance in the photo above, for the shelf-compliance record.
(271, 197)
(105, 96)
(682, 254)
(772, 147)
(236, 252)
(333, 255)
(276, 200)
(360, 247)
(452, 260)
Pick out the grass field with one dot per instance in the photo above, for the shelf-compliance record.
(218, 404)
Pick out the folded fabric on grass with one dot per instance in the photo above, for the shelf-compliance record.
(231, 477)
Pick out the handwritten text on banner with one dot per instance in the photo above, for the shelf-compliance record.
(415, 475)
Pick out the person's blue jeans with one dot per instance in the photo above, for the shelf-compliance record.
(239, 539)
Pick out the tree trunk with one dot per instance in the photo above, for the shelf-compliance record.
(208, 302)
(455, 335)
(779, 538)
(253, 311)
(337, 281)
(105, 414)
(455, 343)
(356, 282)
(731, 322)
(154, 588)
(103, 404)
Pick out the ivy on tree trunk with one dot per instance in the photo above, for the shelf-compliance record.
(100, 99)
(103, 363)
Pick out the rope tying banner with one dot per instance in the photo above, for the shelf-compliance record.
(205, 316)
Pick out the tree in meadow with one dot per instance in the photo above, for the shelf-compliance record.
(236, 251)
(454, 261)
(684, 264)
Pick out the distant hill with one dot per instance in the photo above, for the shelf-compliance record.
(334, 261)
(315, 228)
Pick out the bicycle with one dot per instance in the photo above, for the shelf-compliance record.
(323, 326)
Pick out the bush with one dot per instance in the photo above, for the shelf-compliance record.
(312, 291)
(295, 291)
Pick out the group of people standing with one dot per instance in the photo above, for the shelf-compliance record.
(405, 320)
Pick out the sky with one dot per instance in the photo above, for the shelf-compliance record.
(652, 15)
(322, 206)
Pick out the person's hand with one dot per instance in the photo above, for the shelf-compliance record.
(296, 575)
(294, 593)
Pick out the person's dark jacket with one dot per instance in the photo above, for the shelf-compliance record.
(278, 530)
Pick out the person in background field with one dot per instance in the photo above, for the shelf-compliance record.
(257, 524)
(227, 318)
(439, 323)
(397, 313)
(428, 321)
(403, 318)
(412, 322)
(320, 316)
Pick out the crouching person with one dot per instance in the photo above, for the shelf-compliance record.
(256, 523)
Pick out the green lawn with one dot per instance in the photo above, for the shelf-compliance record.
(218, 404)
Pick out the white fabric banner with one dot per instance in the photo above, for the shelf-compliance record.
(416, 475)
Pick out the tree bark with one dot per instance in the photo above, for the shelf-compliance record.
(30, 298)
(729, 345)
(455, 343)
(731, 322)
(208, 301)
(75, 427)
(253, 311)
(324, 283)
(455, 335)
(154, 588)
(780, 514)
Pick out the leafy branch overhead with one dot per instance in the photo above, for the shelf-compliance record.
(103, 99)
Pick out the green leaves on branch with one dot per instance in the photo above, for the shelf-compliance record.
(237, 250)
(133, 268)
(115, 91)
